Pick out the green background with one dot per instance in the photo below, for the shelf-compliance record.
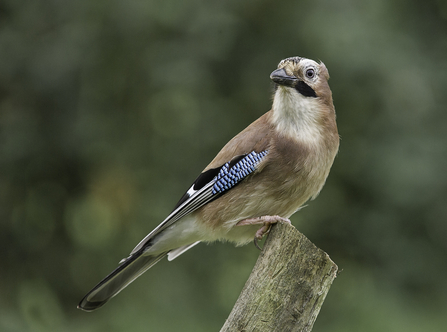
(110, 109)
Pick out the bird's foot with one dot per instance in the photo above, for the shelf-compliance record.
(266, 221)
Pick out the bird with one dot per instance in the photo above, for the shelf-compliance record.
(263, 175)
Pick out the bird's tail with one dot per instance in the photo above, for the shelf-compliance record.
(129, 269)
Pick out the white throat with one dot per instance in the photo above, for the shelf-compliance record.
(296, 116)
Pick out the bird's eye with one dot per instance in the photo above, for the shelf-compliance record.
(310, 73)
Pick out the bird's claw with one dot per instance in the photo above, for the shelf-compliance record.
(261, 232)
(255, 241)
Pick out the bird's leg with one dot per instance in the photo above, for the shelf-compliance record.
(266, 221)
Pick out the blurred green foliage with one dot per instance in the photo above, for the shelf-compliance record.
(109, 110)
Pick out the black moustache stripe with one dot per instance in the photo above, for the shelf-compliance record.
(305, 90)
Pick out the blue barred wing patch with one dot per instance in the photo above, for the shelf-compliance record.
(229, 177)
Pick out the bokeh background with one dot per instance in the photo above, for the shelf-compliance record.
(110, 109)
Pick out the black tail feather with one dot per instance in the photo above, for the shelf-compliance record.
(123, 275)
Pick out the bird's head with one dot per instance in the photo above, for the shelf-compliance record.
(306, 76)
(302, 105)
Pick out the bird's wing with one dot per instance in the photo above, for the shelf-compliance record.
(238, 158)
(207, 187)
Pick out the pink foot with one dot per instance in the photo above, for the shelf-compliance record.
(266, 221)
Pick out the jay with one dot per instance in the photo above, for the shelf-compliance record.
(261, 176)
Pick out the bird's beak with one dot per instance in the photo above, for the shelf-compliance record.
(279, 76)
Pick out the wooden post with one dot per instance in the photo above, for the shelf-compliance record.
(287, 286)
